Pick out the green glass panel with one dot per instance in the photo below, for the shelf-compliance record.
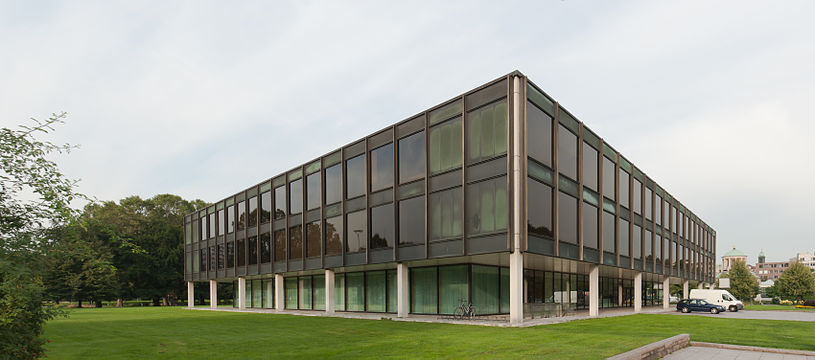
(487, 206)
(609, 206)
(234, 294)
(540, 172)
(263, 188)
(339, 292)
(452, 287)
(411, 189)
(230, 201)
(568, 121)
(305, 292)
(247, 295)
(445, 112)
(268, 294)
(487, 131)
(291, 293)
(500, 124)
(485, 289)
(501, 204)
(445, 214)
(313, 167)
(392, 291)
(475, 141)
(295, 174)
(423, 290)
(590, 197)
(625, 165)
(355, 283)
(435, 151)
(445, 146)
(257, 294)
(504, 290)
(220, 205)
(539, 99)
(319, 292)
(375, 291)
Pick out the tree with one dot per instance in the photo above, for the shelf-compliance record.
(743, 285)
(796, 283)
(34, 195)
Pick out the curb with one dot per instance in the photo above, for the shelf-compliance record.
(655, 350)
(753, 348)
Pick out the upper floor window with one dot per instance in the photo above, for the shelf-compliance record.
(382, 167)
(313, 191)
(280, 202)
(241, 215)
(265, 207)
(567, 152)
(333, 184)
(445, 146)
(296, 197)
(355, 176)
(411, 157)
(487, 131)
(253, 211)
(538, 134)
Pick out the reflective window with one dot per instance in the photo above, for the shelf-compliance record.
(382, 230)
(357, 234)
(313, 191)
(333, 184)
(265, 207)
(221, 222)
(253, 211)
(355, 176)
(539, 218)
(636, 239)
(566, 152)
(296, 197)
(280, 202)
(589, 167)
(589, 226)
(296, 242)
(567, 218)
(624, 239)
(608, 178)
(649, 255)
(230, 254)
(265, 248)
(609, 233)
(637, 195)
(487, 209)
(253, 250)
(648, 195)
(411, 157)
(313, 239)
(487, 132)
(241, 252)
(220, 256)
(333, 235)
(280, 245)
(623, 185)
(382, 167)
(411, 221)
(445, 146)
(203, 227)
(241, 215)
(538, 134)
(212, 225)
(230, 219)
(658, 248)
(445, 214)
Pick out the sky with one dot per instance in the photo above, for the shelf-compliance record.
(711, 99)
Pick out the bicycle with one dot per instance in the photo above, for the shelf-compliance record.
(464, 310)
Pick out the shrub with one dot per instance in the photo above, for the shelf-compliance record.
(809, 302)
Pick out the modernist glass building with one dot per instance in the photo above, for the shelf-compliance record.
(499, 196)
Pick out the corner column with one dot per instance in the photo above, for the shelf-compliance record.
(241, 293)
(213, 294)
(516, 260)
(685, 292)
(594, 290)
(279, 301)
(402, 290)
(638, 292)
(666, 293)
(190, 294)
(329, 291)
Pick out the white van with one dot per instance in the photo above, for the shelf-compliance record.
(719, 297)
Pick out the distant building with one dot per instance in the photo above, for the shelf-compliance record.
(769, 270)
(805, 258)
(731, 257)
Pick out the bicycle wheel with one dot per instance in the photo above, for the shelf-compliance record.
(459, 313)
(472, 311)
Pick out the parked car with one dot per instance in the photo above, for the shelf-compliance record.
(719, 297)
(688, 305)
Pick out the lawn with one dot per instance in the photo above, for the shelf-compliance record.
(172, 332)
(774, 308)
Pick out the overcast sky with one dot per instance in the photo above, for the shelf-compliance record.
(712, 99)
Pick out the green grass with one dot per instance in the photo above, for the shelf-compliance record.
(178, 333)
(774, 308)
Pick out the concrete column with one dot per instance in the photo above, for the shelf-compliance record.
(213, 294)
(594, 290)
(619, 293)
(638, 292)
(402, 290)
(279, 300)
(666, 293)
(516, 282)
(190, 294)
(329, 291)
(241, 293)
(685, 291)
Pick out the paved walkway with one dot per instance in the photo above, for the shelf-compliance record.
(759, 315)
(698, 352)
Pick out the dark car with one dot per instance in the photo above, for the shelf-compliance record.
(688, 305)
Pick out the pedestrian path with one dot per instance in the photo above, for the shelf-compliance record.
(711, 353)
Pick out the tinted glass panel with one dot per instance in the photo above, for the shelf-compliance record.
(445, 214)
(253, 250)
(314, 240)
(539, 134)
(636, 239)
(280, 202)
(487, 132)
(241, 215)
(333, 184)
(445, 146)
(212, 225)
(265, 248)
(540, 209)
(567, 218)
(221, 222)
(589, 226)
(241, 252)
(382, 167)
(382, 231)
(567, 152)
(230, 254)
(265, 207)
(589, 167)
(623, 184)
(280, 245)
(313, 191)
(296, 197)
(608, 178)
(411, 157)
(637, 195)
(609, 233)
(296, 242)
(487, 209)
(355, 177)
(253, 211)
(648, 195)
(624, 239)
(357, 234)
(411, 221)
(333, 235)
